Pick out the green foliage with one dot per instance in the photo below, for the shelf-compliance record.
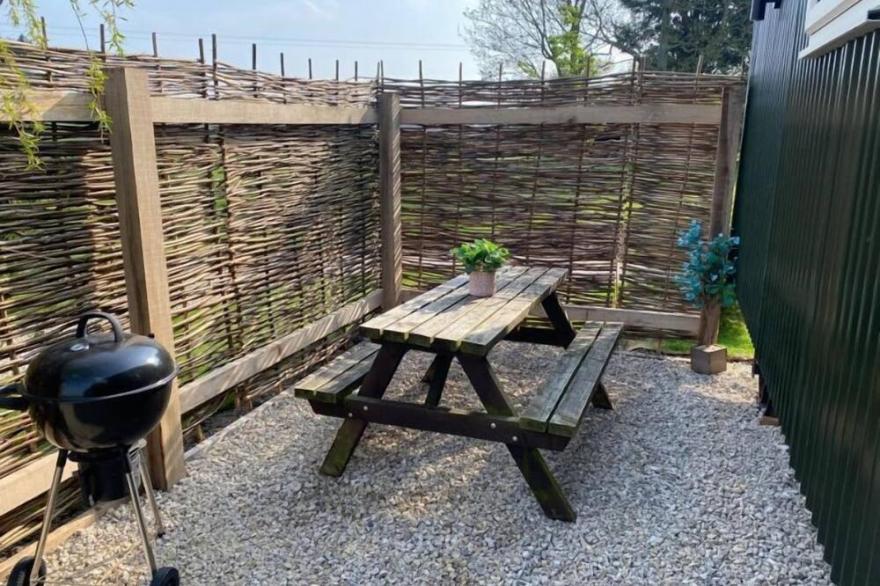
(481, 255)
(566, 51)
(15, 102)
(707, 276)
(673, 34)
(528, 32)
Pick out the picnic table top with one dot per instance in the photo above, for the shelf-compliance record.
(447, 319)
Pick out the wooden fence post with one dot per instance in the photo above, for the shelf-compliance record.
(127, 100)
(729, 139)
(389, 186)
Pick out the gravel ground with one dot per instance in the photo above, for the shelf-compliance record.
(677, 485)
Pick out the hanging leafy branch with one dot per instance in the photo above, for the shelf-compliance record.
(17, 108)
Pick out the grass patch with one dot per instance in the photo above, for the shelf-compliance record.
(732, 334)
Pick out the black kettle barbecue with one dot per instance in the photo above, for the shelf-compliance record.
(96, 397)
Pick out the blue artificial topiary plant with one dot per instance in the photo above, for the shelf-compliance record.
(707, 277)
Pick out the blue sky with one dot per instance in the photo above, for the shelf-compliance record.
(399, 32)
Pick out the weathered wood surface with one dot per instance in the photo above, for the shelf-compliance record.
(632, 114)
(330, 383)
(374, 386)
(539, 410)
(227, 376)
(389, 199)
(635, 318)
(127, 100)
(473, 424)
(375, 328)
(74, 107)
(568, 413)
(483, 338)
(447, 318)
(438, 328)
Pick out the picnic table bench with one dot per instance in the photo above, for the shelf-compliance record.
(453, 325)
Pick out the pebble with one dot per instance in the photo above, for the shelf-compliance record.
(677, 485)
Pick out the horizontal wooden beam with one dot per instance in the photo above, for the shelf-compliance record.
(473, 424)
(183, 111)
(227, 376)
(29, 482)
(637, 318)
(74, 107)
(636, 114)
(56, 107)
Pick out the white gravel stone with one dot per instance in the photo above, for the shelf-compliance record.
(677, 485)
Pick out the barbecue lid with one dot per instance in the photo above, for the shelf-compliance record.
(87, 367)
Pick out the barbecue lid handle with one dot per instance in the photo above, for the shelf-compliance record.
(118, 334)
(18, 403)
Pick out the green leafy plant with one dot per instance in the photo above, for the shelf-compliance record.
(16, 105)
(481, 255)
(707, 276)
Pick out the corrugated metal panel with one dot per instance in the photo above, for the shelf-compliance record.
(808, 211)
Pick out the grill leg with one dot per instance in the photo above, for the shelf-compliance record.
(151, 494)
(139, 515)
(50, 510)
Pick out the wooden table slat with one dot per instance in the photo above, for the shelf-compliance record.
(374, 327)
(536, 415)
(508, 284)
(455, 330)
(483, 338)
(399, 330)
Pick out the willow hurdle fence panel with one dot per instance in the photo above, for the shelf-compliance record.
(274, 233)
(271, 237)
(599, 176)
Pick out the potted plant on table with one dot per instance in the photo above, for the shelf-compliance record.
(707, 282)
(481, 259)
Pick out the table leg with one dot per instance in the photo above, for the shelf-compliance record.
(435, 377)
(375, 383)
(531, 463)
(564, 330)
(600, 398)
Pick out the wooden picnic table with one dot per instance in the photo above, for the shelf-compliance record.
(453, 325)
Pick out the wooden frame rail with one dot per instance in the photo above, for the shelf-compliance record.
(227, 376)
(635, 114)
(74, 107)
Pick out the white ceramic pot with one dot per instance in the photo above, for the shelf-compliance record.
(481, 284)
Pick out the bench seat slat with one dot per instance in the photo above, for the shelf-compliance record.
(332, 382)
(537, 414)
(570, 410)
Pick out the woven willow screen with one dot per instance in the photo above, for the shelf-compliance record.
(266, 229)
(604, 200)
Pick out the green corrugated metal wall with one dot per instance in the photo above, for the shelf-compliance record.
(808, 211)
